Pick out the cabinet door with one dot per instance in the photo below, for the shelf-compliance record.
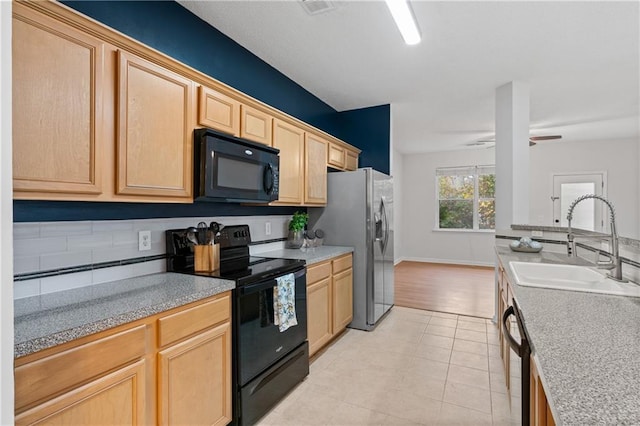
(155, 126)
(336, 157)
(290, 141)
(194, 380)
(256, 125)
(115, 399)
(319, 314)
(352, 161)
(58, 83)
(315, 170)
(540, 412)
(218, 111)
(342, 300)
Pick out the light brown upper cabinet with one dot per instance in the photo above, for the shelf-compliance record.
(352, 160)
(58, 83)
(315, 170)
(154, 134)
(290, 141)
(256, 125)
(341, 157)
(98, 116)
(218, 111)
(336, 157)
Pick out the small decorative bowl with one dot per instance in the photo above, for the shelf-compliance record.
(526, 249)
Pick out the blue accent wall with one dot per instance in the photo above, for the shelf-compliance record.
(370, 130)
(173, 30)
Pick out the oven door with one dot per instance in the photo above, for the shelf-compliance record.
(260, 342)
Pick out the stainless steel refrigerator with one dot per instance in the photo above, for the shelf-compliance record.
(359, 213)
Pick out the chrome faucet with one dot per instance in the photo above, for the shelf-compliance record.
(616, 261)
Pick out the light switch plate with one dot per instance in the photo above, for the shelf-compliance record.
(267, 228)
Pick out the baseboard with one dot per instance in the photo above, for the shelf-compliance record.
(446, 261)
(398, 260)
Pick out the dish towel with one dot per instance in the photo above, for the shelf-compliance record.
(284, 302)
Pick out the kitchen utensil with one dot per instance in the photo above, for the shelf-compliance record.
(192, 234)
(202, 233)
(214, 227)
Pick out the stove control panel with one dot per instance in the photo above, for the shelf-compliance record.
(234, 236)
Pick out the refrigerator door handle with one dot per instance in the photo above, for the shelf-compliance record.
(378, 226)
(386, 226)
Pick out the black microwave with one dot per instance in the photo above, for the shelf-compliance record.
(231, 169)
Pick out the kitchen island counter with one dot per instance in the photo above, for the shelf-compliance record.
(585, 345)
(52, 319)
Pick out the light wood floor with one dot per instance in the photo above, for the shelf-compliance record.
(456, 289)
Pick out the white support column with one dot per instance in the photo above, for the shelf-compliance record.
(512, 161)
(512, 154)
(6, 220)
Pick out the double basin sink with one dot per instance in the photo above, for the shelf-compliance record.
(570, 277)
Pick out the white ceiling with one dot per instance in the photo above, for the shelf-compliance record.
(581, 60)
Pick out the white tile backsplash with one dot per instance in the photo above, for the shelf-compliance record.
(105, 275)
(121, 238)
(89, 242)
(24, 264)
(64, 260)
(45, 246)
(64, 229)
(38, 246)
(23, 231)
(65, 282)
(113, 226)
(28, 288)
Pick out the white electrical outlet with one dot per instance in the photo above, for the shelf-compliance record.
(267, 228)
(144, 240)
(537, 233)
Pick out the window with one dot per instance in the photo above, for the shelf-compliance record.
(466, 197)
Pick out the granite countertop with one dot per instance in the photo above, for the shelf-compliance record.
(51, 319)
(309, 255)
(586, 346)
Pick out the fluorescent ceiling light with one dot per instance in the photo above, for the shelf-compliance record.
(406, 22)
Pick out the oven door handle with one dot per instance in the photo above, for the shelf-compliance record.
(270, 283)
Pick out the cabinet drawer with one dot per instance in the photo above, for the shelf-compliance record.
(318, 272)
(342, 263)
(184, 323)
(49, 376)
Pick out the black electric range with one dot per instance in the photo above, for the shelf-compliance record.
(267, 362)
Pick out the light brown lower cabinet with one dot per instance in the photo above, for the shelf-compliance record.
(329, 300)
(197, 369)
(540, 412)
(117, 398)
(172, 368)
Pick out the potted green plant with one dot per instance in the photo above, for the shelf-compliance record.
(296, 229)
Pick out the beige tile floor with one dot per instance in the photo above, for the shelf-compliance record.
(417, 368)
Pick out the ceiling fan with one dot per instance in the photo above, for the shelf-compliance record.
(533, 140)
